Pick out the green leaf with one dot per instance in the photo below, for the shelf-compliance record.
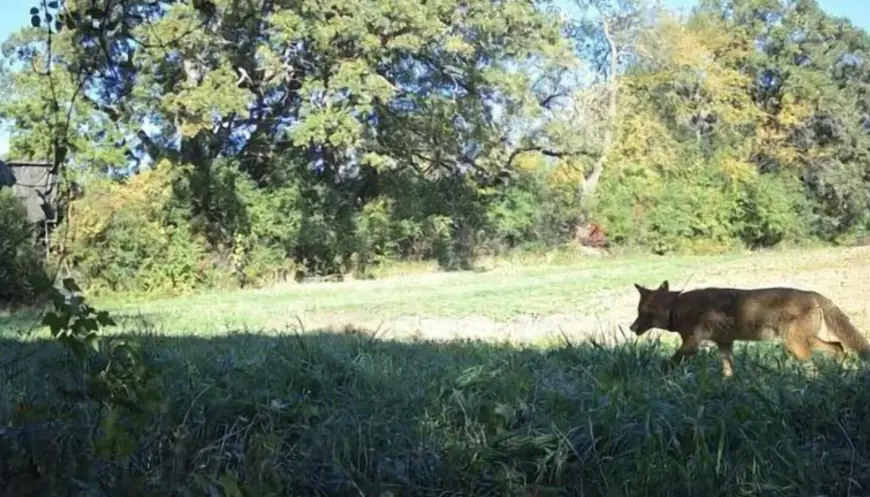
(76, 347)
(70, 285)
(105, 319)
(56, 322)
(89, 324)
(93, 341)
(230, 485)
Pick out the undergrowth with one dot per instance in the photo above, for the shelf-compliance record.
(347, 414)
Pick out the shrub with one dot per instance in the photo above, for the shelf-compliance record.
(22, 275)
(129, 237)
(668, 215)
(772, 210)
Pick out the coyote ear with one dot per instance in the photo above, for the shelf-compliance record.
(664, 286)
(640, 289)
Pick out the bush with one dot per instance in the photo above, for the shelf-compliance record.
(668, 215)
(22, 275)
(703, 213)
(129, 237)
(772, 210)
(533, 211)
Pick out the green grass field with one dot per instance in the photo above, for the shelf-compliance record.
(333, 412)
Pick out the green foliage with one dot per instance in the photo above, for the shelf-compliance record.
(130, 237)
(74, 323)
(22, 276)
(772, 210)
(532, 210)
(703, 214)
(312, 139)
(669, 214)
(105, 390)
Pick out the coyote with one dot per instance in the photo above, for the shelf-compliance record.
(803, 320)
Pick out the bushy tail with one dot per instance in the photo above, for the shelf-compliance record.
(840, 325)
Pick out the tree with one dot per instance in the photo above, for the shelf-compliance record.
(328, 100)
(604, 34)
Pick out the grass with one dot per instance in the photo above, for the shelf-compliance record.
(344, 413)
(501, 292)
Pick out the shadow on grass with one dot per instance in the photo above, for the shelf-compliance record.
(348, 414)
(16, 323)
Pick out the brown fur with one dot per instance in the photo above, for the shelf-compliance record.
(724, 315)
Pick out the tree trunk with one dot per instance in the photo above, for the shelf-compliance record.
(589, 185)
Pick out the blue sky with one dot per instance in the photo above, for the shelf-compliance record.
(15, 15)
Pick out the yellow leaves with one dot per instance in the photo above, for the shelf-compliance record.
(738, 170)
(92, 214)
(143, 193)
(676, 43)
(644, 140)
(458, 45)
(793, 112)
(150, 186)
(773, 137)
(529, 162)
(409, 41)
(772, 142)
(566, 176)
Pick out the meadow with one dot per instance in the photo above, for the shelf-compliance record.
(465, 383)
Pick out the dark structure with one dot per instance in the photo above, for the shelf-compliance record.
(35, 185)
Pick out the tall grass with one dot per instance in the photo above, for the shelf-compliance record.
(348, 414)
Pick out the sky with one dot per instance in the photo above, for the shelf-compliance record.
(15, 15)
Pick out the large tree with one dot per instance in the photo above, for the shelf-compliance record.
(424, 85)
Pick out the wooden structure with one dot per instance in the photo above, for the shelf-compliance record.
(35, 185)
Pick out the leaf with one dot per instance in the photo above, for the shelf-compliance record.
(93, 341)
(34, 11)
(105, 319)
(70, 285)
(230, 485)
(53, 4)
(35, 21)
(78, 348)
(56, 322)
(89, 324)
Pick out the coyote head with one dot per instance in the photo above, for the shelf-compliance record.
(653, 309)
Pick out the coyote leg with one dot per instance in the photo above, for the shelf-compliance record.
(726, 353)
(797, 339)
(688, 348)
(833, 348)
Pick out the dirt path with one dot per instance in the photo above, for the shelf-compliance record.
(842, 275)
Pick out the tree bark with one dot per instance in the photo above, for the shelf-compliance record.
(590, 184)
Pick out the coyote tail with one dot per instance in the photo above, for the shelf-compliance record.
(840, 325)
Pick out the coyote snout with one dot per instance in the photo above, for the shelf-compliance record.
(653, 310)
